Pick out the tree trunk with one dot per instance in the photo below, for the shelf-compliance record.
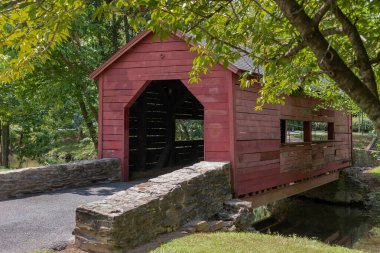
(93, 110)
(377, 127)
(90, 126)
(5, 144)
(126, 29)
(115, 28)
(20, 142)
(330, 61)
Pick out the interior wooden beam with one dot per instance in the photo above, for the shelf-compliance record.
(141, 133)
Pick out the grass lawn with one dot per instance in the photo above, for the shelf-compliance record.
(2, 169)
(375, 172)
(246, 242)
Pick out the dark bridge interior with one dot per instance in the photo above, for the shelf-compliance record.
(153, 146)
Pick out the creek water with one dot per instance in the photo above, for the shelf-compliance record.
(348, 226)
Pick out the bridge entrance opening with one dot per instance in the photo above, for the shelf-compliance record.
(165, 129)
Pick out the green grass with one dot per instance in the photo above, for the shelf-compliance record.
(246, 242)
(3, 169)
(370, 243)
(376, 172)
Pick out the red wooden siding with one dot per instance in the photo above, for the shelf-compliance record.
(126, 78)
(262, 162)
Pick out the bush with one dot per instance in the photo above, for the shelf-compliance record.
(362, 124)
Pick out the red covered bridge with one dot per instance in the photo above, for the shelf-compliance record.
(143, 90)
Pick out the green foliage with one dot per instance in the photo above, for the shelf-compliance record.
(222, 32)
(362, 124)
(375, 172)
(48, 89)
(69, 149)
(48, 49)
(33, 143)
(29, 30)
(187, 130)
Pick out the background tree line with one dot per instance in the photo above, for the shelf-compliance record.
(56, 104)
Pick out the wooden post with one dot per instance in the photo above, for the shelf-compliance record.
(307, 131)
(141, 133)
(330, 131)
(283, 130)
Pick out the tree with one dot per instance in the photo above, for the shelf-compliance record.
(328, 49)
(300, 45)
(54, 80)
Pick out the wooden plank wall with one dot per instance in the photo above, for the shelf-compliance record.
(262, 162)
(124, 80)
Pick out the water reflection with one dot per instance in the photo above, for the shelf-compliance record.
(334, 224)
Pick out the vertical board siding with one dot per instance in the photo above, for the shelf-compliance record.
(126, 78)
(263, 162)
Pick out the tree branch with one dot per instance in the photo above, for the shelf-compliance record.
(208, 16)
(301, 45)
(322, 11)
(330, 61)
(375, 60)
(363, 62)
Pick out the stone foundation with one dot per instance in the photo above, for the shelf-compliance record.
(19, 182)
(351, 188)
(161, 205)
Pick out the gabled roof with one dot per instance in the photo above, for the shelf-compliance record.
(245, 63)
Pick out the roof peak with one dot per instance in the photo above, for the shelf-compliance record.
(244, 63)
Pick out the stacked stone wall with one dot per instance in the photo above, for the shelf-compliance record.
(15, 183)
(161, 205)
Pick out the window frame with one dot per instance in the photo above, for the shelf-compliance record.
(307, 132)
(330, 131)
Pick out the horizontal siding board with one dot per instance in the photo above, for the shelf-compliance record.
(283, 164)
(257, 146)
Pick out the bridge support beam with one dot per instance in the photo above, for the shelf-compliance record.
(290, 190)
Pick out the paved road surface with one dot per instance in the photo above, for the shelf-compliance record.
(46, 220)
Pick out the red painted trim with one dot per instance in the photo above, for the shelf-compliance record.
(142, 86)
(100, 118)
(232, 130)
(95, 74)
(125, 158)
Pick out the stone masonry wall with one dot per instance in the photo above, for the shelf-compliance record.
(16, 183)
(163, 204)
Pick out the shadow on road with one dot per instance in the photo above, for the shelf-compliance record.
(99, 189)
